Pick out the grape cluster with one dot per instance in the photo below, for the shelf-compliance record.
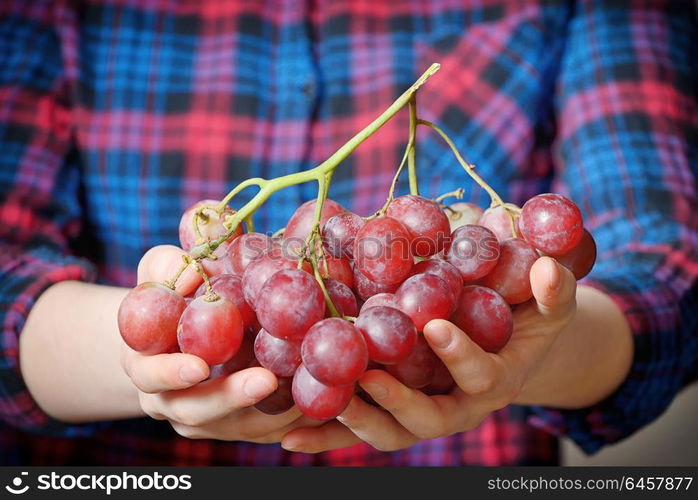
(335, 296)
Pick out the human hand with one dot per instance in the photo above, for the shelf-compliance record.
(485, 382)
(173, 386)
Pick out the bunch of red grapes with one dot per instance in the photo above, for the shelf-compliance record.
(362, 302)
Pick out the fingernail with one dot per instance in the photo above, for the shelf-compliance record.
(290, 446)
(440, 336)
(377, 391)
(191, 374)
(256, 388)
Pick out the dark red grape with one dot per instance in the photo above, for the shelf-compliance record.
(281, 357)
(342, 297)
(474, 251)
(148, 318)
(365, 288)
(417, 369)
(243, 359)
(510, 277)
(382, 251)
(498, 220)
(261, 269)
(245, 249)
(381, 299)
(484, 316)
(580, 260)
(551, 223)
(441, 383)
(289, 303)
(229, 287)
(340, 232)
(301, 222)
(334, 352)
(424, 219)
(211, 227)
(462, 213)
(317, 400)
(211, 330)
(389, 334)
(424, 297)
(443, 270)
(279, 401)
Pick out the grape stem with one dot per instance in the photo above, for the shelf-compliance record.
(470, 170)
(321, 174)
(412, 147)
(458, 194)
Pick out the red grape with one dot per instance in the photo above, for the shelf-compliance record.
(510, 277)
(474, 251)
(551, 223)
(382, 251)
(229, 287)
(279, 401)
(380, 299)
(498, 220)
(342, 297)
(484, 316)
(243, 359)
(443, 270)
(289, 303)
(424, 297)
(148, 318)
(211, 330)
(417, 369)
(389, 334)
(580, 260)
(340, 232)
(462, 213)
(335, 352)
(211, 227)
(301, 222)
(337, 268)
(427, 224)
(281, 357)
(219, 265)
(317, 400)
(261, 269)
(365, 288)
(245, 249)
(442, 382)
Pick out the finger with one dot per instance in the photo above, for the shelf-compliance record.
(217, 398)
(425, 417)
(376, 426)
(164, 372)
(330, 436)
(162, 262)
(554, 286)
(475, 371)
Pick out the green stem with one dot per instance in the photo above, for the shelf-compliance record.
(270, 186)
(470, 170)
(412, 151)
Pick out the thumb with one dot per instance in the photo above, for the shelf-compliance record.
(554, 286)
(162, 262)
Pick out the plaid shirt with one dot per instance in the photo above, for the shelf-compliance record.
(115, 116)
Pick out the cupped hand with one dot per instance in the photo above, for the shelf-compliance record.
(174, 387)
(485, 382)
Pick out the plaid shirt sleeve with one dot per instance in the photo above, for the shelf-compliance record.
(39, 209)
(628, 151)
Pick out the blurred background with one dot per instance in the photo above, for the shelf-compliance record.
(670, 440)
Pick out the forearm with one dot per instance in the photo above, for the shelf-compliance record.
(589, 359)
(70, 353)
